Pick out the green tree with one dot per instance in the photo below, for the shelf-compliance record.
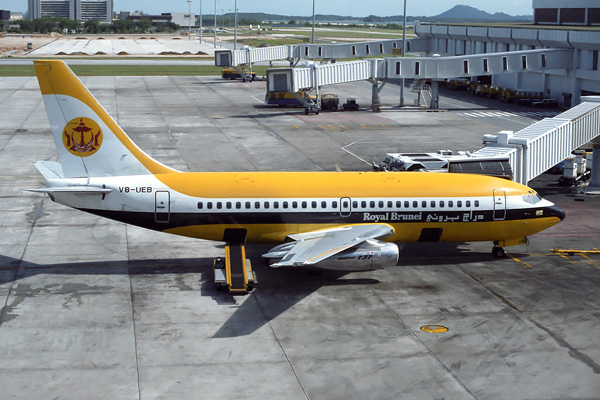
(92, 26)
(144, 24)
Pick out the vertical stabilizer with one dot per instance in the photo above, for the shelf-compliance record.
(89, 141)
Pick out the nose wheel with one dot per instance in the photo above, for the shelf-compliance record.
(498, 252)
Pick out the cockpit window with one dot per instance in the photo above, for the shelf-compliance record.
(532, 198)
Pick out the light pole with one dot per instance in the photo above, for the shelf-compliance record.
(215, 31)
(235, 27)
(200, 30)
(403, 54)
(313, 27)
(189, 19)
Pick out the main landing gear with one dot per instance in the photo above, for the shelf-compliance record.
(498, 251)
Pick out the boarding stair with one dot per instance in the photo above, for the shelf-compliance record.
(235, 272)
(423, 91)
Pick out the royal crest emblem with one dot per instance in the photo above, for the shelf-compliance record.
(82, 137)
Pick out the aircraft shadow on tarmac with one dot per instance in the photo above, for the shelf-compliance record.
(277, 290)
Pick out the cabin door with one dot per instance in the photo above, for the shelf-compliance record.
(162, 210)
(499, 204)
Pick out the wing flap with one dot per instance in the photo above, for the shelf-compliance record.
(311, 247)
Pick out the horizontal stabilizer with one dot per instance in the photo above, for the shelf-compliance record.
(73, 189)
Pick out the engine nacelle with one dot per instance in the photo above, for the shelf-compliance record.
(369, 255)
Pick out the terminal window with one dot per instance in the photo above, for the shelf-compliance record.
(594, 15)
(546, 15)
(572, 15)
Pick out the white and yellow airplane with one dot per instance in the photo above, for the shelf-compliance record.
(340, 220)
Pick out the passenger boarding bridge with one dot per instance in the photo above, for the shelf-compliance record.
(435, 69)
(333, 51)
(379, 71)
(537, 148)
(530, 151)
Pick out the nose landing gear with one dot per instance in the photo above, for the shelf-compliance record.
(498, 251)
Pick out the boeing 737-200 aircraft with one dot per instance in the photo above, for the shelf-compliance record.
(340, 220)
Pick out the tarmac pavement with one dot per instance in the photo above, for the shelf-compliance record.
(96, 309)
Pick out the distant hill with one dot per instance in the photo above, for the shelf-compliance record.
(460, 13)
(468, 13)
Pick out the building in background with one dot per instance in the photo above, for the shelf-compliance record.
(180, 19)
(80, 10)
(564, 85)
(560, 12)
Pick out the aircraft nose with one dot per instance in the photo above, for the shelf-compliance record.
(556, 211)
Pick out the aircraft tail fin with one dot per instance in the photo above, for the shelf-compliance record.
(89, 141)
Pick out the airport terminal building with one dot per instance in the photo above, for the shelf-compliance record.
(80, 10)
(558, 24)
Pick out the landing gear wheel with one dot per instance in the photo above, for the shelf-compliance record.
(498, 252)
(306, 111)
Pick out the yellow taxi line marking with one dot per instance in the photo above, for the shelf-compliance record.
(382, 125)
(567, 258)
(342, 126)
(573, 251)
(590, 261)
(518, 261)
(320, 126)
(296, 126)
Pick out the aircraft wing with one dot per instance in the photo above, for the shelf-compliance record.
(311, 247)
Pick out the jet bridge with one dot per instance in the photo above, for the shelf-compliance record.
(318, 51)
(539, 147)
(417, 68)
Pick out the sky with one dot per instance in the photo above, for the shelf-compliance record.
(355, 8)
